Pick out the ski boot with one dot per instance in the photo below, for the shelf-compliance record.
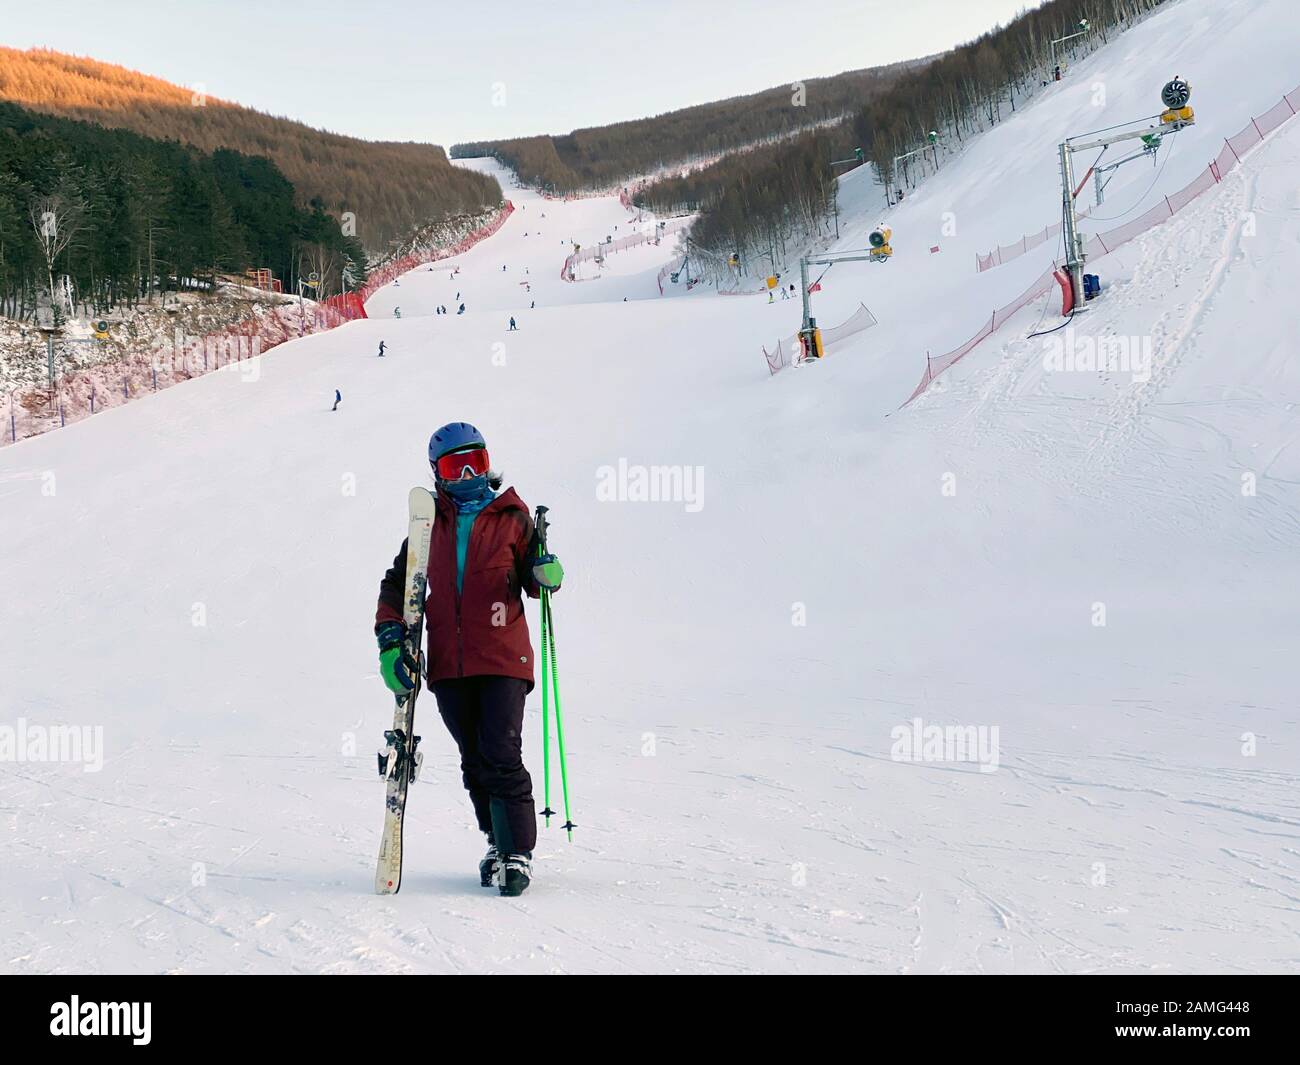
(487, 868)
(514, 873)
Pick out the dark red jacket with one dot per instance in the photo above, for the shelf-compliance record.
(481, 630)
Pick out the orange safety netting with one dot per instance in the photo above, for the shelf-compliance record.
(1098, 244)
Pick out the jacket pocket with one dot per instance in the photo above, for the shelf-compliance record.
(496, 596)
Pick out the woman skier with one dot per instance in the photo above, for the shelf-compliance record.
(483, 553)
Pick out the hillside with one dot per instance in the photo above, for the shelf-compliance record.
(769, 204)
(601, 156)
(390, 187)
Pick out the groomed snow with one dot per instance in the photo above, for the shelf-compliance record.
(196, 572)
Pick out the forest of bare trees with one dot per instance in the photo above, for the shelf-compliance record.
(760, 204)
(601, 157)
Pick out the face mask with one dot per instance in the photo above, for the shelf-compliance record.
(472, 493)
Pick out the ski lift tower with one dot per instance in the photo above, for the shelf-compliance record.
(1175, 117)
(1083, 28)
(931, 145)
(51, 333)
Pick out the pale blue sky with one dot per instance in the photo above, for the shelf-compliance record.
(384, 69)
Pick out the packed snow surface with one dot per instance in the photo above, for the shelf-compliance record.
(1089, 575)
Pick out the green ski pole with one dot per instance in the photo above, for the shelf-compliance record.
(540, 524)
(569, 826)
(546, 726)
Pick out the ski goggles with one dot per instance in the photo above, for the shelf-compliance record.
(459, 465)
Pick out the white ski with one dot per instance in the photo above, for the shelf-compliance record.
(399, 761)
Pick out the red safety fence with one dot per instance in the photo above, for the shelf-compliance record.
(665, 271)
(81, 392)
(349, 305)
(1230, 156)
(1006, 252)
(650, 234)
(789, 350)
(391, 270)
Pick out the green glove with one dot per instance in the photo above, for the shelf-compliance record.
(396, 670)
(395, 666)
(548, 573)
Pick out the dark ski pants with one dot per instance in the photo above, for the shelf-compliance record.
(485, 716)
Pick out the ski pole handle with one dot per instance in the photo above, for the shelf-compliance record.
(541, 525)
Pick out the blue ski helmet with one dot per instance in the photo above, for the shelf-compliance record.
(454, 436)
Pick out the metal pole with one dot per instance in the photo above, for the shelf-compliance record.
(1073, 250)
(803, 285)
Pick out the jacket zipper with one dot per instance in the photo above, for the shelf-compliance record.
(460, 641)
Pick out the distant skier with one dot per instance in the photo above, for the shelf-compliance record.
(381, 349)
(460, 309)
(513, 327)
(338, 398)
(483, 555)
(532, 305)
(397, 312)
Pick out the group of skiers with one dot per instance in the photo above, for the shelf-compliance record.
(483, 557)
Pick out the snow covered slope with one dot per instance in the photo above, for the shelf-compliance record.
(195, 573)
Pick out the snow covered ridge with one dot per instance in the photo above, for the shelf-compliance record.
(1234, 149)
